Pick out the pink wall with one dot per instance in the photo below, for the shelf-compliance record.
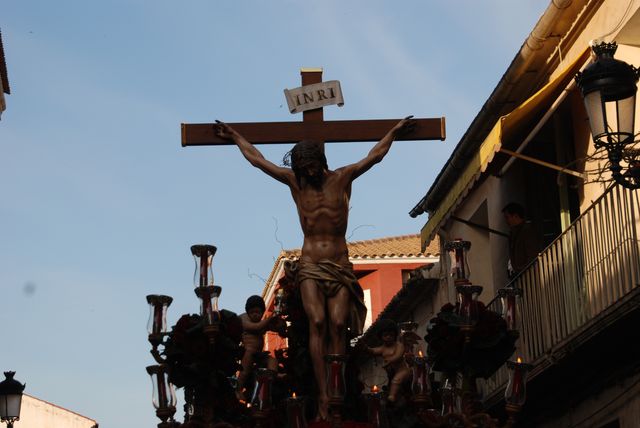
(384, 282)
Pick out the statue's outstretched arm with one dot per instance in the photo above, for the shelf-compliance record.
(252, 154)
(379, 151)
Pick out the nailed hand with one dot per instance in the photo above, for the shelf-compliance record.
(223, 130)
(405, 126)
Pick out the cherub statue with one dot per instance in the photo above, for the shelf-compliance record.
(254, 328)
(392, 352)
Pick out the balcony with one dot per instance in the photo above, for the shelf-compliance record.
(579, 295)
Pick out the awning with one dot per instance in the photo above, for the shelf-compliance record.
(504, 129)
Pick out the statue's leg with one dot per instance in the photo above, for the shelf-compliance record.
(247, 364)
(394, 388)
(338, 309)
(313, 301)
(395, 383)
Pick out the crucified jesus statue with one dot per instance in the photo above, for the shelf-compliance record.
(331, 296)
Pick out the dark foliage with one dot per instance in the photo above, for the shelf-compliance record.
(489, 347)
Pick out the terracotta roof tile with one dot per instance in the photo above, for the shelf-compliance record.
(393, 246)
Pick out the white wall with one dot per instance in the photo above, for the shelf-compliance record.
(37, 413)
(488, 255)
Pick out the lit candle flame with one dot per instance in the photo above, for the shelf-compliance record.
(294, 395)
(374, 388)
(519, 360)
(420, 353)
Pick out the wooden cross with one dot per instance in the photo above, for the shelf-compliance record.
(313, 127)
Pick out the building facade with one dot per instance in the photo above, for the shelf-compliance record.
(531, 144)
(36, 413)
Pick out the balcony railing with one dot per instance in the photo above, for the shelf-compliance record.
(586, 270)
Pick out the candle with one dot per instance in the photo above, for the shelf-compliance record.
(375, 404)
(279, 302)
(516, 392)
(204, 265)
(460, 269)
(157, 319)
(420, 385)
(509, 297)
(468, 309)
(335, 376)
(295, 412)
(162, 392)
(510, 313)
(261, 398)
(206, 303)
(447, 393)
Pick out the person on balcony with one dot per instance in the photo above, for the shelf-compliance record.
(524, 239)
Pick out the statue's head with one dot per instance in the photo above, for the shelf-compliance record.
(255, 308)
(307, 160)
(387, 330)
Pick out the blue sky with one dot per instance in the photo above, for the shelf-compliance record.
(100, 203)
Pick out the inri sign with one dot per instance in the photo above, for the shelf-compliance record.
(310, 97)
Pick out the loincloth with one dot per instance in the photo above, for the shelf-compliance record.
(330, 277)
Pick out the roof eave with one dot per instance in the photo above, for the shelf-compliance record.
(3, 69)
(521, 79)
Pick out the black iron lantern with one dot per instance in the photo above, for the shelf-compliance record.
(609, 90)
(10, 399)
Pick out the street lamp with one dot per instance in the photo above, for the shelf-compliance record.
(608, 88)
(10, 399)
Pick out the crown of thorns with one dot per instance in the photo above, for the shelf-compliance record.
(303, 153)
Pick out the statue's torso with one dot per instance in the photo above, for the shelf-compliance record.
(323, 215)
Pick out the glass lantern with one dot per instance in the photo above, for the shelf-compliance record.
(460, 266)
(468, 305)
(509, 298)
(157, 324)
(376, 408)
(516, 393)
(609, 89)
(420, 384)
(203, 257)
(279, 302)
(164, 397)
(448, 395)
(10, 398)
(295, 412)
(335, 365)
(209, 309)
(261, 397)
